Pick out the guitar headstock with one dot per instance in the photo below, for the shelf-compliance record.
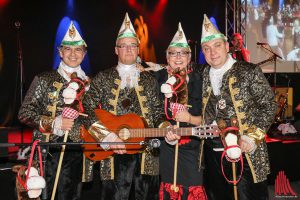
(206, 131)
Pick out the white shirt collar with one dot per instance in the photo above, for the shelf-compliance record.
(63, 69)
(129, 75)
(216, 75)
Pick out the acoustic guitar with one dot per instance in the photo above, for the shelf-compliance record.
(131, 129)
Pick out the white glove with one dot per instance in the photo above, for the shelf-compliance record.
(235, 152)
(251, 142)
(57, 126)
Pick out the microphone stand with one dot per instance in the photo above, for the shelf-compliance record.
(20, 60)
(275, 56)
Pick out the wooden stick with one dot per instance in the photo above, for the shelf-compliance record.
(234, 179)
(174, 187)
(62, 152)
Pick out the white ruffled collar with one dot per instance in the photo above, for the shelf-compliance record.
(129, 75)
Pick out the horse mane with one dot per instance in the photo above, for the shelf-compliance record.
(182, 91)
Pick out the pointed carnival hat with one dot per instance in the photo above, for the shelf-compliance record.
(179, 39)
(127, 30)
(72, 37)
(210, 32)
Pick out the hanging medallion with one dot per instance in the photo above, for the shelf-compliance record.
(222, 104)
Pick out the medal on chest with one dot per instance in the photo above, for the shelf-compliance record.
(222, 104)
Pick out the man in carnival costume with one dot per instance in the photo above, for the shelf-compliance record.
(120, 90)
(235, 91)
(42, 109)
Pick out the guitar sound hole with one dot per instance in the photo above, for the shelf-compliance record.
(124, 134)
(92, 155)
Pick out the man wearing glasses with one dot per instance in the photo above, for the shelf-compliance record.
(121, 90)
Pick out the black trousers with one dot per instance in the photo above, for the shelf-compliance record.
(218, 188)
(128, 183)
(69, 183)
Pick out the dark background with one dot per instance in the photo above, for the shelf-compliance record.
(100, 22)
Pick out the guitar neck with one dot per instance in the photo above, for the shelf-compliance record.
(159, 132)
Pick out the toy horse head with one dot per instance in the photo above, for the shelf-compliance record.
(230, 137)
(74, 92)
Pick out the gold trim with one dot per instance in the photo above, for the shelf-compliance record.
(237, 104)
(251, 168)
(204, 102)
(115, 92)
(141, 100)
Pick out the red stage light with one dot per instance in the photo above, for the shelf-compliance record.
(3, 3)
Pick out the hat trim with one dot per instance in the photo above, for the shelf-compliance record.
(74, 43)
(124, 35)
(176, 44)
(213, 37)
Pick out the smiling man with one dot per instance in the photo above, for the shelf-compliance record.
(239, 91)
(40, 110)
(120, 90)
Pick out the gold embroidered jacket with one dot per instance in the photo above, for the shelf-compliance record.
(143, 100)
(43, 102)
(250, 99)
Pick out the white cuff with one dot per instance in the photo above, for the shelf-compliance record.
(57, 126)
(171, 142)
(111, 137)
(250, 141)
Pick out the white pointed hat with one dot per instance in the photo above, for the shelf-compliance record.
(127, 30)
(210, 32)
(72, 37)
(179, 39)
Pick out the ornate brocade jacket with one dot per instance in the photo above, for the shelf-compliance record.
(250, 99)
(43, 102)
(143, 100)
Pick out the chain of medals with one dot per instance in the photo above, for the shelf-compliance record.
(221, 104)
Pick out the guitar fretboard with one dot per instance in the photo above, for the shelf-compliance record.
(159, 132)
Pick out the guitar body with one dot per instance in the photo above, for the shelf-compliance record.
(114, 124)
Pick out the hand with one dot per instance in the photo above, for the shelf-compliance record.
(118, 148)
(247, 144)
(183, 116)
(172, 137)
(66, 124)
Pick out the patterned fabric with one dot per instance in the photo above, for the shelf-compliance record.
(105, 91)
(176, 107)
(70, 113)
(189, 171)
(44, 100)
(250, 99)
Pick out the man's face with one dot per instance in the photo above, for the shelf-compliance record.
(72, 56)
(237, 42)
(178, 57)
(127, 50)
(215, 52)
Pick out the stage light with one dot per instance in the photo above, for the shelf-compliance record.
(3, 3)
(70, 7)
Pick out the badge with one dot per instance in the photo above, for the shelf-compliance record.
(222, 104)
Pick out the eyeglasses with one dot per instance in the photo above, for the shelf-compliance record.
(125, 46)
(178, 53)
